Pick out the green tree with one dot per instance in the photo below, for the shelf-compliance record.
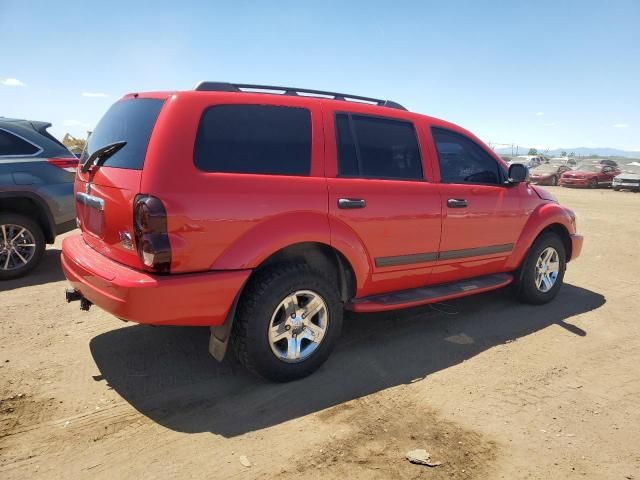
(533, 151)
(563, 153)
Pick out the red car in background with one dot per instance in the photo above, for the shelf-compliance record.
(548, 173)
(590, 175)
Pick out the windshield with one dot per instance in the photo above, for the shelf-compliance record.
(635, 169)
(129, 121)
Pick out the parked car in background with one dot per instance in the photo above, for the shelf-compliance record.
(36, 193)
(529, 161)
(611, 163)
(548, 173)
(264, 214)
(571, 162)
(590, 175)
(628, 179)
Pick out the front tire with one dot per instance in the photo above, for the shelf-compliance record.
(554, 181)
(593, 183)
(289, 320)
(540, 276)
(22, 244)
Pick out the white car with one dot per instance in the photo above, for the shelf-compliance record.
(530, 161)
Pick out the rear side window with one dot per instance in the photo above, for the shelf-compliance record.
(13, 146)
(261, 139)
(374, 147)
(464, 161)
(128, 120)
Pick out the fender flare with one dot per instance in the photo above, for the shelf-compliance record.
(541, 218)
(282, 231)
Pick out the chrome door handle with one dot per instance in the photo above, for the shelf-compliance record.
(457, 203)
(348, 203)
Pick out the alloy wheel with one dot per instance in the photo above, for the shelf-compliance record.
(298, 326)
(17, 246)
(547, 268)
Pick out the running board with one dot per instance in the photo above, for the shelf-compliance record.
(429, 294)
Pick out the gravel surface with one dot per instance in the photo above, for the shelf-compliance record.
(489, 387)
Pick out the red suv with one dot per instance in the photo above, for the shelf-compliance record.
(263, 212)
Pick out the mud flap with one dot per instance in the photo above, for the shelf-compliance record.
(221, 334)
(219, 340)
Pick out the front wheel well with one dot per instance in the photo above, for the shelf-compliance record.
(563, 233)
(320, 257)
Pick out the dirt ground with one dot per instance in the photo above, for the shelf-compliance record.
(490, 387)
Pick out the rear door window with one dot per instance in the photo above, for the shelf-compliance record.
(376, 147)
(131, 121)
(259, 139)
(464, 161)
(13, 146)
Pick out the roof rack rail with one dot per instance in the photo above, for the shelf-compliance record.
(240, 87)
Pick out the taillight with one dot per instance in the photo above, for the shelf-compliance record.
(68, 164)
(150, 229)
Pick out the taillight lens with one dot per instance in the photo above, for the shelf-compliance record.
(150, 229)
(68, 164)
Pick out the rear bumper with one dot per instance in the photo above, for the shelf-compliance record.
(198, 299)
(576, 245)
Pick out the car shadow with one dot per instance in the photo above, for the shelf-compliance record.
(167, 374)
(48, 270)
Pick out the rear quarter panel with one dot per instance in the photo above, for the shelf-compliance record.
(227, 221)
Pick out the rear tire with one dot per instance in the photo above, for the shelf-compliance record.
(271, 319)
(616, 189)
(530, 286)
(20, 250)
(554, 181)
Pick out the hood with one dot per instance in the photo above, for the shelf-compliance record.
(628, 176)
(584, 173)
(543, 194)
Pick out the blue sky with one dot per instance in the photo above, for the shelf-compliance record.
(544, 73)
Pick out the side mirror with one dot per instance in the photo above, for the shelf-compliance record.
(518, 173)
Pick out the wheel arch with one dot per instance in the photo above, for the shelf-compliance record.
(321, 257)
(32, 206)
(549, 217)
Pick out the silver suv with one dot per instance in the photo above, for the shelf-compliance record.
(36, 193)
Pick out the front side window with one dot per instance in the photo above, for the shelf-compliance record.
(464, 161)
(260, 139)
(374, 147)
(14, 146)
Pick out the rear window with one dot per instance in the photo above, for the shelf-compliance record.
(12, 145)
(128, 120)
(261, 139)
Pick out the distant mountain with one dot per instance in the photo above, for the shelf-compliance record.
(580, 151)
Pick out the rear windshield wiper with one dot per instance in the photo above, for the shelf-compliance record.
(101, 154)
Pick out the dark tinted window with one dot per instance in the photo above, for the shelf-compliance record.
(464, 161)
(13, 145)
(254, 139)
(128, 120)
(372, 147)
